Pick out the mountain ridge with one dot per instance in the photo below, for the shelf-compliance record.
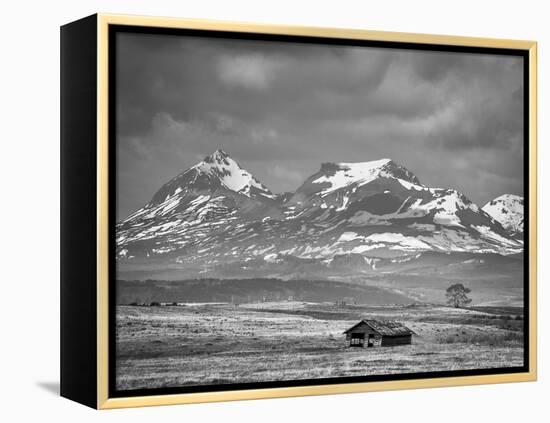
(217, 213)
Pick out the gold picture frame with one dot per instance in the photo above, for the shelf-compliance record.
(102, 399)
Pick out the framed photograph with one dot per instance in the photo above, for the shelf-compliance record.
(256, 211)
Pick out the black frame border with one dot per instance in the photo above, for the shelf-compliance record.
(113, 30)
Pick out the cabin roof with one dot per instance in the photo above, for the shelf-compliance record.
(385, 328)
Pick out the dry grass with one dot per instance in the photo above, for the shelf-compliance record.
(500, 339)
(207, 344)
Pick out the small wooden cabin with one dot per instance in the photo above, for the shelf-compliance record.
(375, 333)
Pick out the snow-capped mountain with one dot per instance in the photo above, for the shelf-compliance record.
(217, 214)
(215, 187)
(508, 211)
(387, 206)
(334, 176)
(216, 171)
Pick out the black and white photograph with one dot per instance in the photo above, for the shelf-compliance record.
(307, 212)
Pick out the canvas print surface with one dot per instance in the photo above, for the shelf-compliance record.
(293, 211)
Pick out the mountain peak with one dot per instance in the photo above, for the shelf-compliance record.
(507, 209)
(218, 170)
(397, 171)
(222, 167)
(218, 156)
(339, 175)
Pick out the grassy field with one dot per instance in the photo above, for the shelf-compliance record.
(198, 344)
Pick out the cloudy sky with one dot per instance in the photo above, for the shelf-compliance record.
(281, 109)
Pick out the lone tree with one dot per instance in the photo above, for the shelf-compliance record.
(457, 295)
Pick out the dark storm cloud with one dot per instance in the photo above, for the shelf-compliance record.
(281, 109)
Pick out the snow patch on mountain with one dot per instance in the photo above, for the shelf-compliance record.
(508, 210)
(231, 175)
(341, 175)
(487, 233)
(399, 240)
(447, 207)
(348, 236)
(364, 218)
(348, 173)
(393, 240)
(444, 206)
